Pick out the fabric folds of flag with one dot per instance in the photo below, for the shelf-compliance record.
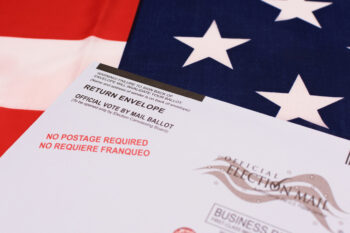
(44, 45)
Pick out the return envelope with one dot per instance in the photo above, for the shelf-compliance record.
(198, 165)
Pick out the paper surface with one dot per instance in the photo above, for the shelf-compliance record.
(121, 153)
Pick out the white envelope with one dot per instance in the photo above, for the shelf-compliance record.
(119, 153)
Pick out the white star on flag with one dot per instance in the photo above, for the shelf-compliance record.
(211, 45)
(301, 9)
(298, 103)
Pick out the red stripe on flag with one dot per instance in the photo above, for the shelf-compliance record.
(13, 123)
(67, 19)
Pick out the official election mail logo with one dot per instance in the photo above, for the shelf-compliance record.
(257, 185)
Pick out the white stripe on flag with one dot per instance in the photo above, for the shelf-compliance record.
(33, 72)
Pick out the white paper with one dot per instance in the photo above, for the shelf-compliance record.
(69, 173)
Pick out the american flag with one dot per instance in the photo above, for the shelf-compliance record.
(284, 58)
(289, 59)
